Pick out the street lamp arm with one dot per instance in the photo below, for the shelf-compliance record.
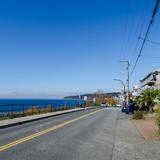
(123, 86)
(120, 81)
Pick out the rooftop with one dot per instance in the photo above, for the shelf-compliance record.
(154, 72)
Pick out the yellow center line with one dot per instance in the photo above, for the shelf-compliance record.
(53, 128)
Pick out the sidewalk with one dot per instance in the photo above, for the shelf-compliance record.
(130, 145)
(21, 120)
(147, 128)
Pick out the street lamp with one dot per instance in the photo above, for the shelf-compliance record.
(124, 90)
(127, 78)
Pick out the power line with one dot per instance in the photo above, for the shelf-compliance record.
(156, 57)
(140, 26)
(148, 29)
(150, 41)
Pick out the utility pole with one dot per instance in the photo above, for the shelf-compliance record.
(127, 79)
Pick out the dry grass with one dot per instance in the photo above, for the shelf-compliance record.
(33, 111)
(157, 119)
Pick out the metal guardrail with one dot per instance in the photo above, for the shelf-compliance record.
(19, 110)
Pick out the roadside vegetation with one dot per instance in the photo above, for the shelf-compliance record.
(105, 99)
(33, 111)
(157, 118)
(138, 115)
(148, 102)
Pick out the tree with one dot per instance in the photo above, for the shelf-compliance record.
(111, 101)
(100, 98)
(147, 98)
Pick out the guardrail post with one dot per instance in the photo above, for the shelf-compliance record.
(39, 109)
(51, 108)
(23, 109)
(46, 108)
(32, 109)
(11, 111)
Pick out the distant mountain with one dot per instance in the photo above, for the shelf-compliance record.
(93, 95)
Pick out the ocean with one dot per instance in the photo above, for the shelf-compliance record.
(19, 105)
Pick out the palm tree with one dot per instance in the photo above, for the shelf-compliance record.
(140, 101)
(147, 99)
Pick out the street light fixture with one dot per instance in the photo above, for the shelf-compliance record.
(124, 88)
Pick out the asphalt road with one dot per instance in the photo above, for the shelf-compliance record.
(83, 135)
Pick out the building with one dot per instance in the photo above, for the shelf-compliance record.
(157, 84)
(136, 90)
(150, 81)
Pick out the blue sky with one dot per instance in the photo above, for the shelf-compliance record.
(52, 48)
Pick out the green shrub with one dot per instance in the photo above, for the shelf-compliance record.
(138, 115)
(157, 118)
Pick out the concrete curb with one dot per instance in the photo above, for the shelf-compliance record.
(38, 118)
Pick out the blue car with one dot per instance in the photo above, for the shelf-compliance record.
(125, 109)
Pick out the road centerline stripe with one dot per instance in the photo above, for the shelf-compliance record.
(40, 133)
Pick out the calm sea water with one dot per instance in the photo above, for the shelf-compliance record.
(18, 105)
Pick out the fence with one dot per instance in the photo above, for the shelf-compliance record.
(18, 110)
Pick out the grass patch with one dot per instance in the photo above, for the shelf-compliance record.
(33, 111)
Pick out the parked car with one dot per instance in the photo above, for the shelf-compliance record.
(130, 108)
(119, 105)
(103, 105)
(127, 110)
(124, 108)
